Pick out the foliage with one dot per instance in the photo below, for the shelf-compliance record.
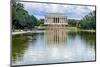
(73, 22)
(89, 21)
(21, 18)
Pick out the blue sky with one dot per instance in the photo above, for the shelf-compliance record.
(39, 10)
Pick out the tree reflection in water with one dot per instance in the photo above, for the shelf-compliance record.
(18, 46)
(88, 37)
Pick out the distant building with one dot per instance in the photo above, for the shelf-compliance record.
(55, 19)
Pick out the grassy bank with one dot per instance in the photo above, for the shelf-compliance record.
(44, 28)
(78, 29)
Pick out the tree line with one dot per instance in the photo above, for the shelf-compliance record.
(87, 22)
(21, 18)
(73, 23)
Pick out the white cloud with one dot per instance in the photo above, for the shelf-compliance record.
(88, 2)
(72, 11)
(39, 17)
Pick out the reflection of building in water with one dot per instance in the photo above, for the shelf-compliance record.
(56, 36)
(56, 19)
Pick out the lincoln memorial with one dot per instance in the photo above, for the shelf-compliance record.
(55, 19)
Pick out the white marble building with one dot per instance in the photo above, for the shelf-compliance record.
(55, 19)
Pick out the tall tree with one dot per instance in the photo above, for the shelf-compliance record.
(89, 21)
(21, 18)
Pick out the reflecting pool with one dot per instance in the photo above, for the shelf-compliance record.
(53, 46)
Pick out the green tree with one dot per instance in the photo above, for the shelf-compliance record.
(73, 23)
(21, 18)
(89, 21)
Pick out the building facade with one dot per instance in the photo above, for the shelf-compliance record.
(55, 19)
